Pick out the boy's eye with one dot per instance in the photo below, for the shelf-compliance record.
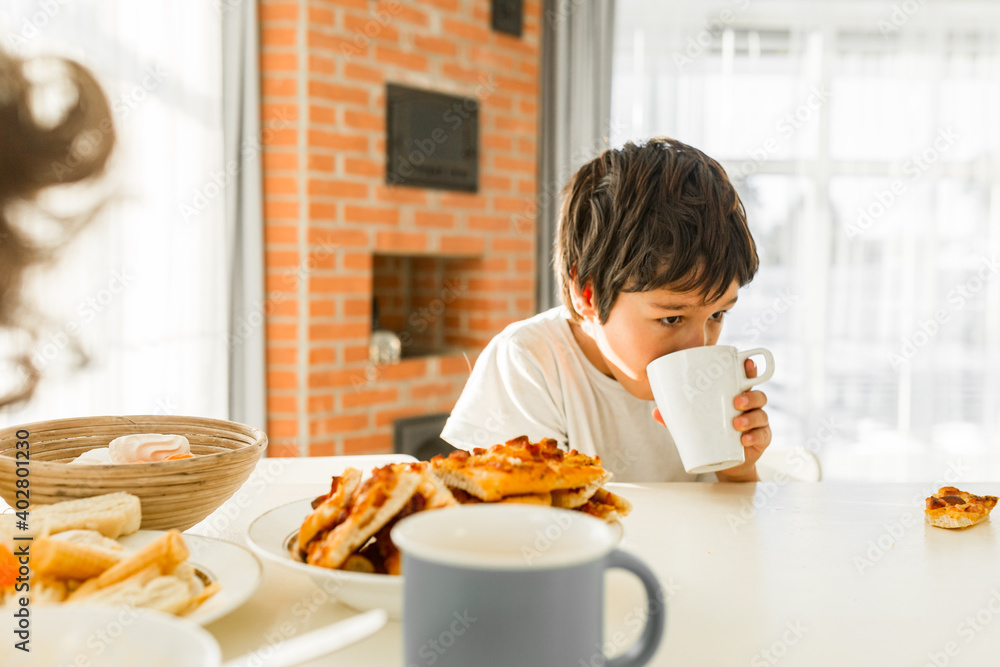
(719, 315)
(671, 321)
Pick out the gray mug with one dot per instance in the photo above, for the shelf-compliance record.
(514, 585)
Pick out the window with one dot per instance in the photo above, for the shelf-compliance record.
(864, 143)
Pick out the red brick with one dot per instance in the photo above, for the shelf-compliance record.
(282, 380)
(338, 93)
(466, 245)
(514, 164)
(490, 223)
(338, 141)
(434, 219)
(339, 284)
(404, 12)
(370, 444)
(405, 59)
(401, 195)
(322, 65)
(322, 308)
(503, 244)
(319, 16)
(442, 46)
(340, 238)
(332, 188)
(343, 424)
(366, 397)
(462, 200)
(270, 11)
(371, 214)
(282, 450)
(364, 29)
(455, 365)
(281, 210)
(497, 142)
(320, 403)
(354, 166)
(282, 404)
(400, 241)
(359, 72)
(278, 62)
(362, 120)
(354, 353)
(278, 161)
(322, 355)
(323, 448)
(432, 390)
(361, 261)
(470, 31)
(278, 36)
(387, 417)
(277, 87)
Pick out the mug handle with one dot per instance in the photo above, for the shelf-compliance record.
(745, 382)
(641, 652)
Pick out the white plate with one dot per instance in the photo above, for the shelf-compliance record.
(237, 570)
(104, 636)
(274, 535)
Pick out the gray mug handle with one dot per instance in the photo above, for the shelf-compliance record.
(641, 652)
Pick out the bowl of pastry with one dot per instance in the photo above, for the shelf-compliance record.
(181, 468)
(342, 539)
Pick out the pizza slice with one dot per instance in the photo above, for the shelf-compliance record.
(331, 509)
(606, 505)
(376, 501)
(517, 468)
(951, 508)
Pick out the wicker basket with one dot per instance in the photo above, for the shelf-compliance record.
(174, 494)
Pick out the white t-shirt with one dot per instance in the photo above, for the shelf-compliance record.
(533, 379)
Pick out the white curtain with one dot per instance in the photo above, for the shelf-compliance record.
(144, 290)
(863, 139)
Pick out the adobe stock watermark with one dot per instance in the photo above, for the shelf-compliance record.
(254, 319)
(219, 180)
(432, 649)
(121, 107)
(697, 44)
(878, 548)
(785, 128)
(634, 620)
(32, 25)
(957, 297)
(779, 648)
(87, 311)
(372, 28)
(796, 460)
(912, 169)
(546, 538)
(417, 323)
(766, 318)
(971, 627)
(523, 221)
(900, 14)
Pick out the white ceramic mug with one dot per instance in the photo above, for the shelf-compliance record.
(694, 390)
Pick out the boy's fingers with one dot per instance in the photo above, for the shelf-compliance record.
(750, 367)
(750, 400)
(759, 437)
(658, 417)
(751, 420)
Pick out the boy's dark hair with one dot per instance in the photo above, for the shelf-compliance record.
(651, 215)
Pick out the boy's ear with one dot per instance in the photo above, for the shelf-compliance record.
(583, 300)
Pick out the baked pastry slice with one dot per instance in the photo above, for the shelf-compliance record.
(378, 499)
(331, 509)
(951, 508)
(518, 468)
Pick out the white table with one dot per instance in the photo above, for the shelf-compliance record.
(755, 574)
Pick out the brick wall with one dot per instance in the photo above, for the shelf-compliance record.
(328, 210)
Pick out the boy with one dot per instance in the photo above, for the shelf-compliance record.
(651, 249)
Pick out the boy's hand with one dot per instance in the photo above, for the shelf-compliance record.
(752, 424)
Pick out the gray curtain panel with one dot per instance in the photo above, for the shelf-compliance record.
(244, 213)
(577, 46)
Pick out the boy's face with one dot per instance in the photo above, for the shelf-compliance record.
(643, 326)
